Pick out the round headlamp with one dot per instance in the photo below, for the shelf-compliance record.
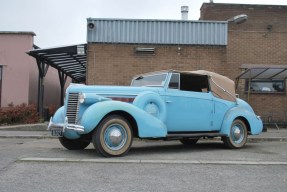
(82, 98)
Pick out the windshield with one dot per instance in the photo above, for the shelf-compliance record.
(154, 80)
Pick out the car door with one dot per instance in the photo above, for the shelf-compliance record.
(188, 110)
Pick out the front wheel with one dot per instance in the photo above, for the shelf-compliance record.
(113, 137)
(238, 135)
(73, 144)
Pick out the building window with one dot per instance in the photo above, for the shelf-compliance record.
(259, 86)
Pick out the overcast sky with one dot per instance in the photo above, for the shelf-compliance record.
(63, 22)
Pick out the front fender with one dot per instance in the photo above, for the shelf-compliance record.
(59, 116)
(256, 125)
(148, 125)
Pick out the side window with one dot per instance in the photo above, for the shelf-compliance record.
(174, 81)
(193, 82)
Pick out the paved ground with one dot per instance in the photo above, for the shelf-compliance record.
(33, 161)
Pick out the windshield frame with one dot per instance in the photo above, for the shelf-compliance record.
(143, 76)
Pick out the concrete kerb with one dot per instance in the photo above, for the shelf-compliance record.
(25, 127)
(33, 131)
(39, 131)
(129, 161)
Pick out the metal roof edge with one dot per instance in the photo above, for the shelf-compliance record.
(250, 66)
(48, 48)
(18, 33)
(155, 20)
(244, 5)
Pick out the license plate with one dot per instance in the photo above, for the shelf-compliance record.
(57, 133)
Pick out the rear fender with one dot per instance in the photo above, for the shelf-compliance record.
(255, 122)
(148, 125)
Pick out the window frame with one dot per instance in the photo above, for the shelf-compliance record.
(1, 79)
(194, 78)
(171, 87)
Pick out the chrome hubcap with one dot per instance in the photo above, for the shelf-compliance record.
(237, 133)
(115, 137)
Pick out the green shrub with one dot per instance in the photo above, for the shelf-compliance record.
(20, 114)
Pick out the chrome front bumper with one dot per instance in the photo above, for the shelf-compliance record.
(65, 126)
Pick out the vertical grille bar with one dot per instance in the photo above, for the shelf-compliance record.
(73, 108)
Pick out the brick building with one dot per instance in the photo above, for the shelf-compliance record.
(120, 49)
(261, 40)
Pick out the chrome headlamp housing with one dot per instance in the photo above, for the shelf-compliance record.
(82, 98)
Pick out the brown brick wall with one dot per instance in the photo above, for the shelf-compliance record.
(252, 43)
(116, 64)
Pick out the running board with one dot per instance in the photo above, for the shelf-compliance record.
(186, 135)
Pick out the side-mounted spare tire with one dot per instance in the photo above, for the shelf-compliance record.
(152, 103)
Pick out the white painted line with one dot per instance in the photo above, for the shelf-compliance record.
(129, 161)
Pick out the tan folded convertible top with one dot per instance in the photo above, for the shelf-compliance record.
(221, 86)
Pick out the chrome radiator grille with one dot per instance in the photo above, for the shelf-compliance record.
(73, 108)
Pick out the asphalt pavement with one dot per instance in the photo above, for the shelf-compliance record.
(39, 131)
(30, 161)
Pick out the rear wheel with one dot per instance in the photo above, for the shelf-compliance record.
(113, 137)
(238, 135)
(189, 141)
(73, 144)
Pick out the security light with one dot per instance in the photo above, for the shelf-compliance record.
(238, 19)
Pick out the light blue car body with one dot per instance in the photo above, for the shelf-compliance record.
(156, 111)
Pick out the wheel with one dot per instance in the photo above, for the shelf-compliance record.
(189, 141)
(238, 135)
(113, 137)
(73, 144)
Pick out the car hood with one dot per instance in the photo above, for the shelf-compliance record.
(110, 90)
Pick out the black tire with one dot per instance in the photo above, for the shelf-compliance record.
(189, 141)
(73, 144)
(238, 135)
(113, 137)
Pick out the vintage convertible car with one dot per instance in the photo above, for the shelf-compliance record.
(164, 105)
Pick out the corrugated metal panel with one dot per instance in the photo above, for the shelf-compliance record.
(157, 32)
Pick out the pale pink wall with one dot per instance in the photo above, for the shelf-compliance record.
(20, 72)
(15, 82)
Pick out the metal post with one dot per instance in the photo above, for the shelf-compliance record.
(248, 94)
(43, 69)
(63, 79)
